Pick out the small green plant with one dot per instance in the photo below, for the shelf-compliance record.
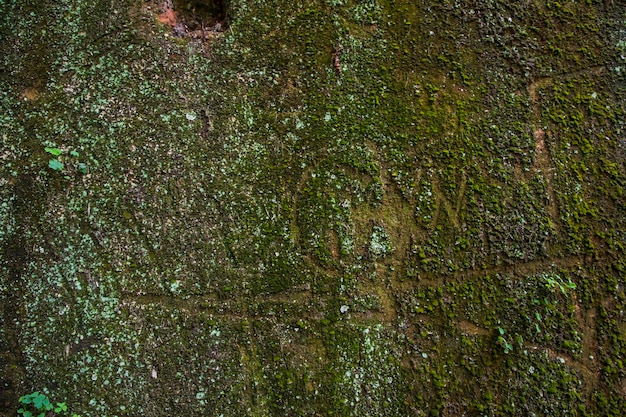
(555, 281)
(57, 165)
(39, 405)
(54, 163)
(54, 151)
(503, 342)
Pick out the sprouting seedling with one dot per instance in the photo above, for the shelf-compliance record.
(54, 163)
(503, 342)
(82, 167)
(57, 165)
(54, 151)
(39, 405)
(556, 282)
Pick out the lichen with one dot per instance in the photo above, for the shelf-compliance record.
(325, 208)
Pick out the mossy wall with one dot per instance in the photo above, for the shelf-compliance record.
(317, 207)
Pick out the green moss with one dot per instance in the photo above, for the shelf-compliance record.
(331, 208)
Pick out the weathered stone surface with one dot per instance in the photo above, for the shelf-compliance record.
(330, 207)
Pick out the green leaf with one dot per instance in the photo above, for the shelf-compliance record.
(28, 398)
(56, 164)
(47, 404)
(28, 414)
(54, 151)
(60, 407)
(82, 167)
(74, 153)
(38, 401)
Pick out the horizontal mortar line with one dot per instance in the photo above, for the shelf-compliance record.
(565, 261)
(517, 269)
(191, 301)
(545, 81)
(301, 298)
(581, 365)
(564, 75)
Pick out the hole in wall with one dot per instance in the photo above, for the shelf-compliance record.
(197, 19)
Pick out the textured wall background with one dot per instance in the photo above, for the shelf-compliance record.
(322, 207)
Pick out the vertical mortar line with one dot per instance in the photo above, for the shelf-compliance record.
(542, 157)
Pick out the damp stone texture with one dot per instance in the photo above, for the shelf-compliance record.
(313, 208)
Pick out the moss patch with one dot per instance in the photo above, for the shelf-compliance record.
(332, 208)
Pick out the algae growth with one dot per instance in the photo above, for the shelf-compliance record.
(326, 207)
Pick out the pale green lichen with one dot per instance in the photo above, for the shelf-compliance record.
(329, 209)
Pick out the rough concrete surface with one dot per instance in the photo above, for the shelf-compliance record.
(313, 208)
